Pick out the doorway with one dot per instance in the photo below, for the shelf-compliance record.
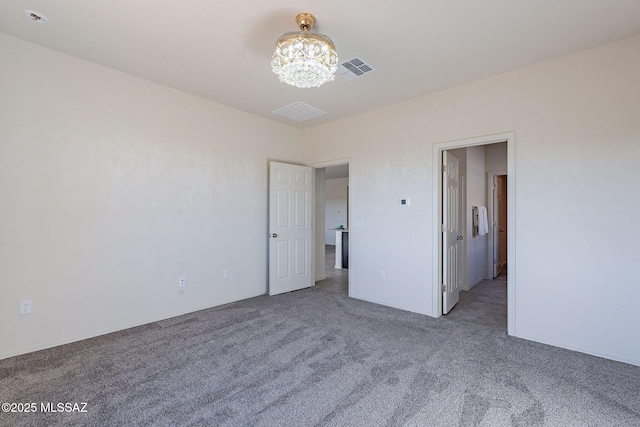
(440, 198)
(332, 227)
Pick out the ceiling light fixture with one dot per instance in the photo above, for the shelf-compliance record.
(304, 59)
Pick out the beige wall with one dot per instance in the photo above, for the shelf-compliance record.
(577, 150)
(112, 188)
(476, 190)
(495, 158)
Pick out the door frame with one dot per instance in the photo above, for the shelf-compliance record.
(438, 148)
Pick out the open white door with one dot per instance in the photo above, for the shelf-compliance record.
(451, 236)
(290, 227)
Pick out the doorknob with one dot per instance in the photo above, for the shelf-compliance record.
(460, 238)
(274, 235)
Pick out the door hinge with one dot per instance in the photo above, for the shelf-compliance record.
(444, 288)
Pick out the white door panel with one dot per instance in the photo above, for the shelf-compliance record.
(451, 235)
(290, 227)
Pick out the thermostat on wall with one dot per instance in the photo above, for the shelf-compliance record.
(405, 201)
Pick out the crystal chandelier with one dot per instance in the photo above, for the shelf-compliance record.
(303, 59)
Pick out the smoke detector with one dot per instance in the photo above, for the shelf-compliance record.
(36, 17)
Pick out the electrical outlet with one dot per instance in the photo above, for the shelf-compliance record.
(225, 274)
(381, 274)
(25, 306)
(182, 282)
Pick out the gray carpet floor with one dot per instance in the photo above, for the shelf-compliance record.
(315, 357)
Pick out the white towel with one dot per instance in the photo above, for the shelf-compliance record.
(483, 225)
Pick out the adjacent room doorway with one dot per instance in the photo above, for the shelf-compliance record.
(442, 284)
(332, 226)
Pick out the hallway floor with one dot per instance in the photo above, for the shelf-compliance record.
(337, 278)
(485, 304)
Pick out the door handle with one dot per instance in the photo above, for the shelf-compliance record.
(460, 238)
(274, 235)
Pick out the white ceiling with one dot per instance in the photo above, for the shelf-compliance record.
(222, 50)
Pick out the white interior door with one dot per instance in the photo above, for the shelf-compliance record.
(290, 227)
(451, 235)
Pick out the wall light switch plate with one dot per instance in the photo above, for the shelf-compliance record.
(182, 282)
(405, 201)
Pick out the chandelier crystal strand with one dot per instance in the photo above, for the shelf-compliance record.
(304, 59)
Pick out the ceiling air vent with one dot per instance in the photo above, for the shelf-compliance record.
(299, 111)
(354, 68)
